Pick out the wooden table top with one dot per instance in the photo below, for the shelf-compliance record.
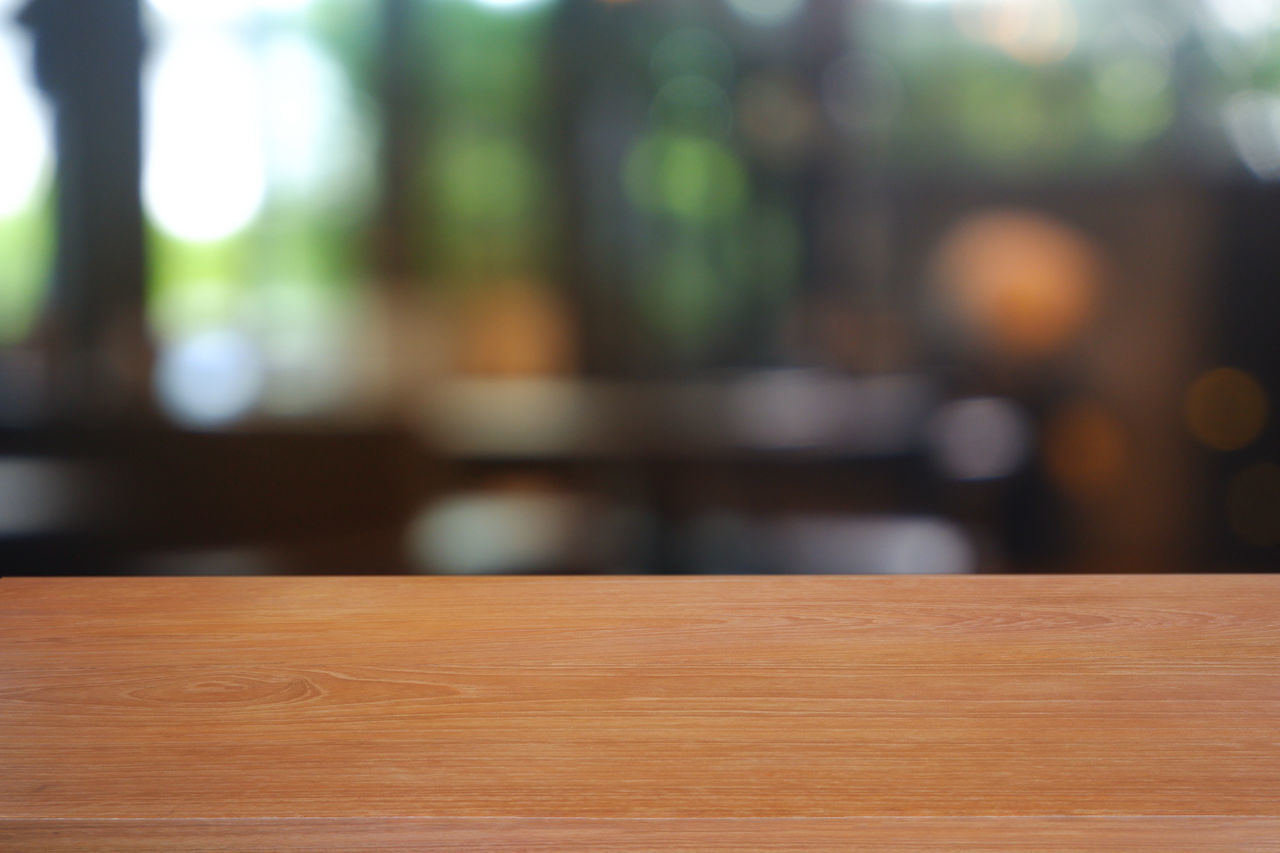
(715, 713)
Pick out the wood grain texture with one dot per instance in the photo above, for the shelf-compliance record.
(630, 835)
(940, 713)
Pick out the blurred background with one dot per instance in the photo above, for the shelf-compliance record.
(596, 286)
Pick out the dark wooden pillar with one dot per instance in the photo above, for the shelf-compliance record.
(88, 57)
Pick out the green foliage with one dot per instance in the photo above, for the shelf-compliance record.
(26, 240)
(688, 177)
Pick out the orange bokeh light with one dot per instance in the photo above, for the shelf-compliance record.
(1225, 408)
(1086, 449)
(1020, 282)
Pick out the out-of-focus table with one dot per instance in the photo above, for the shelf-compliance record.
(717, 713)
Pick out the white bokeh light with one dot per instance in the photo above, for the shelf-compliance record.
(782, 409)
(205, 173)
(1252, 122)
(209, 379)
(479, 533)
(313, 132)
(38, 496)
(878, 545)
(510, 5)
(24, 137)
(1246, 17)
(983, 438)
(179, 12)
(303, 332)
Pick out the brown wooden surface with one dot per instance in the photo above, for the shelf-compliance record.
(926, 713)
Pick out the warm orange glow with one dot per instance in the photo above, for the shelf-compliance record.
(1085, 449)
(516, 329)
(1226, 408)
(1020, 281)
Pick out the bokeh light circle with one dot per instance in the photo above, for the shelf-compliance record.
(1225, 409)
(1018, 281)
